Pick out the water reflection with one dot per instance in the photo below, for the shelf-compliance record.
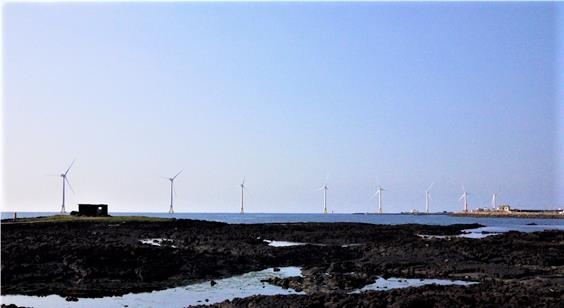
(382, 284)
(201, 293)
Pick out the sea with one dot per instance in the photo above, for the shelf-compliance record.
(493, 224)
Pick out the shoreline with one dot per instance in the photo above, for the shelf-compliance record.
(530, 215)
(99, 257)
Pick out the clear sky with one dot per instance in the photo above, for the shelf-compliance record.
(283, 94)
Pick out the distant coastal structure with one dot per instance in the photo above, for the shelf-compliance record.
(505, 210)
(91, 210)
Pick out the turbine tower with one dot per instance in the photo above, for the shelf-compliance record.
(172, 191)
(243, 187)
(428, 197)
(65, 181)
(324, 188)
(379, 193)
(465, 198)
(494, 204)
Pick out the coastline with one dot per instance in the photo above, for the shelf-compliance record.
(77, 258)
(500, 214)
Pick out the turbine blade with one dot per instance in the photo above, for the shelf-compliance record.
(463, 188)
(243, 181)
(430, 186)
(174, 177)
(461, 197)
(174, 189)
(70, 186)
(69, 167)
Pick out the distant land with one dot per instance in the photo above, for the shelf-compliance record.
(507, 212)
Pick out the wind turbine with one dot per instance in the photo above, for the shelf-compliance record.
(65, 181)
(428, 197)
(172, 191)
(379, 193)
(465, 197)
(324, 188)
(243, 187)
(494, 204)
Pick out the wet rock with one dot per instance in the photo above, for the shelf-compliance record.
(63, 258)
(71, 299)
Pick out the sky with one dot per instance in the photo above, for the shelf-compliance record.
(290, 96)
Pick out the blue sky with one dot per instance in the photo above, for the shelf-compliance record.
(284, 94)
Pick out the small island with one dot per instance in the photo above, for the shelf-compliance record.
(505, 211)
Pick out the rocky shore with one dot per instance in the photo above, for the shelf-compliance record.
(96, 258)
(502, 214)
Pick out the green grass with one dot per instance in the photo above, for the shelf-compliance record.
(69, 218)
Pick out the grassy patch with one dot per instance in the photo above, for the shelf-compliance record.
(69, 218)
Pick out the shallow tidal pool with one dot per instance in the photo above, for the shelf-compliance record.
(201, 293)
(382, 284)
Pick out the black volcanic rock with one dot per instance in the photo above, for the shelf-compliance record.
(93, 258)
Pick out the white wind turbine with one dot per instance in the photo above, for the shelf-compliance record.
(494, 203)
(428, 197)
(464, 197)
(379, 194)
(65, 181)
(243, 187)
(324, 188)
(172, 191)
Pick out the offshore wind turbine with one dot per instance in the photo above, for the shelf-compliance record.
(324, 188)
(464, 197)
(65, 181)
(428, 197)
(379, 193)
(494, 203)
(172, 191)
(243, 187)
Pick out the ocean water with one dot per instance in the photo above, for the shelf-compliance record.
(495, 224)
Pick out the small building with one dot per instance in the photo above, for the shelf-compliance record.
(92, 210)
(504, 208)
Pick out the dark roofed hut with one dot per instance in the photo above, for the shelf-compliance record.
(92, 210)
